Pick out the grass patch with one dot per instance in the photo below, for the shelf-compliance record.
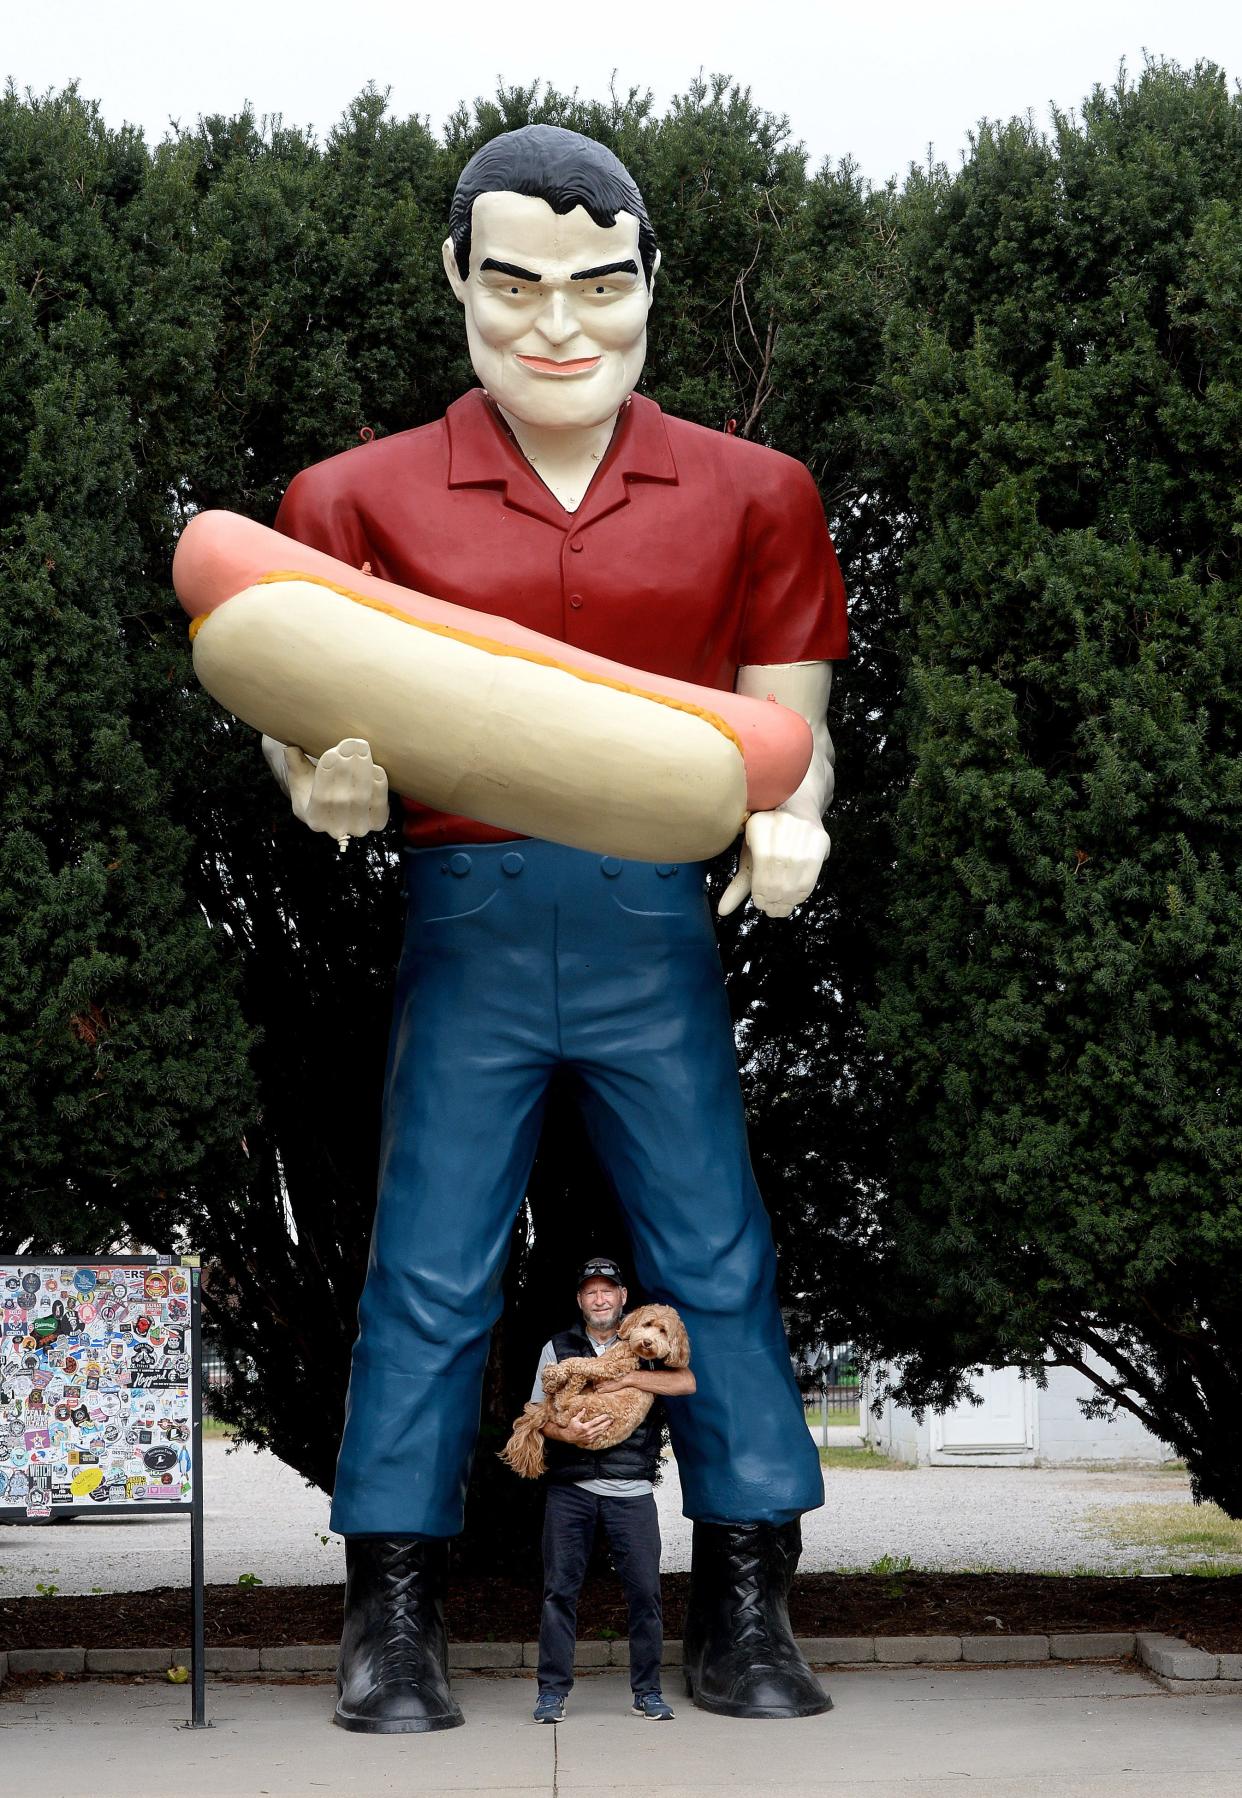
(837, 1420)
(214, 1427)
(860, 1458)
(1181, 1531)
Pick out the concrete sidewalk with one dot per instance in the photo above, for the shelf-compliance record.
(1047, 1732)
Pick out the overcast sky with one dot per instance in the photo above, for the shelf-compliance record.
(877, 79)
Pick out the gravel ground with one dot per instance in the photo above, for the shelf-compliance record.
(262, 1518)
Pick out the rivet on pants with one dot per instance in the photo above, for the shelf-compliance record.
(512, 863)
(459, 864)
(610, 867)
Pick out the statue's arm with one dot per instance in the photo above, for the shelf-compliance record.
(783, 850)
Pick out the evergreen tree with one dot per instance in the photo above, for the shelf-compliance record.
(1060, 1002)
(123, 1055)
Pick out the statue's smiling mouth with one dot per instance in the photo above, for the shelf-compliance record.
(544, 365)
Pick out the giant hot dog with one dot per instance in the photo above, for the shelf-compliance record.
(472, 714)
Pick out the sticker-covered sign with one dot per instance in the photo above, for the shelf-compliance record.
(96, 1397)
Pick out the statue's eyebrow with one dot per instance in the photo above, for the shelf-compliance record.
(628, 267)
(509, 268)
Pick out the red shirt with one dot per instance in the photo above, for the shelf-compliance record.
(692, 554)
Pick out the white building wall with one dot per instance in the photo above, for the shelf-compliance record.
(895, 1432)
(1060, 1434)
(1066, 1436)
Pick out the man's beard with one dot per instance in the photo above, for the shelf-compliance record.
(602, 1325)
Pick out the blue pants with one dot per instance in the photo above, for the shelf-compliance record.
(521, 959)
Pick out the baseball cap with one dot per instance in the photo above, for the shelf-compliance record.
(599, 1267)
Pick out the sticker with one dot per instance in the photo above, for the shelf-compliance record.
(95, 1367)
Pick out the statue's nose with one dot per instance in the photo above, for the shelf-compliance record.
(555, 321)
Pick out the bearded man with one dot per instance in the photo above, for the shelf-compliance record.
(556, 496)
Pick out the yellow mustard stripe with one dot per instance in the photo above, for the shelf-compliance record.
(495, 648)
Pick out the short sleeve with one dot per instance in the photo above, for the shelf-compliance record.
(546, 1357)
(319, 509)
(795, 606)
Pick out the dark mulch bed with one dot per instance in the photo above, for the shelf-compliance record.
(1207, 1612)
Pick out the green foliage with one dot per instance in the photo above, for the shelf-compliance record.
(1060, 999)
(991, 1069)
(122, 1050)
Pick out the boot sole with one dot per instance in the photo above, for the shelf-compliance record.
(396, 1726)
(722, 1707)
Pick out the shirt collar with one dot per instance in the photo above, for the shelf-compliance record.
(482, 453)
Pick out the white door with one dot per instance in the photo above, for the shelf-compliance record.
(1004, 1424)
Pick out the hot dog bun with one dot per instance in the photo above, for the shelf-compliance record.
(472, 714)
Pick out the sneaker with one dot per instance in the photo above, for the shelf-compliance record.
(549, 1708)
(652, 1706)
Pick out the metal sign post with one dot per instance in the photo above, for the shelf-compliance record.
(198, 1651)
(101, 1398)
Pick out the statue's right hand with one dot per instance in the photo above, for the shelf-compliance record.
(343, 794)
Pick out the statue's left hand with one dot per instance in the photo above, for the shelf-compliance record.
(782, 854)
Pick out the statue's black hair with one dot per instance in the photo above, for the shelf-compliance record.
(546, 162)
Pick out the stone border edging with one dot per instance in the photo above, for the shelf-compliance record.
(1177, 1666)
(1186, 1670)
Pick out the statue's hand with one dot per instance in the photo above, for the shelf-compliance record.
(782, 854)
(343, 795)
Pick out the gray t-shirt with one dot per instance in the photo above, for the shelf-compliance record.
(603, 1488)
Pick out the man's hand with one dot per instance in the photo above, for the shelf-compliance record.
(783, 850)
(579, 1430)
(343, 795)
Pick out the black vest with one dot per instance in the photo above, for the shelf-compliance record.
(637, 1458)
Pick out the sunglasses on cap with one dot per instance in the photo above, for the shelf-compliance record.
(599, 1269)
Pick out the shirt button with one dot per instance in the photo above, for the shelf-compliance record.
(512, 863)
(575, 600)
(576, 547)
(459, 864)
(610, 867)
(664, 869)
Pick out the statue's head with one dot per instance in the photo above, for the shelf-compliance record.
(553, 258)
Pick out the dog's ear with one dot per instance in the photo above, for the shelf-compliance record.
(679, 1342)
(626, 1327)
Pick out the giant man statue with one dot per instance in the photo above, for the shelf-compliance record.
(556, 496)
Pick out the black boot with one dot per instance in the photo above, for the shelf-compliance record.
(392, 1676)
(741, 1659)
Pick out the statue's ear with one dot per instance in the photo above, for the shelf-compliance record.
(655, 269)
(448, 255)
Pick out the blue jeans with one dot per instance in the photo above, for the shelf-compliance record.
(521, 959)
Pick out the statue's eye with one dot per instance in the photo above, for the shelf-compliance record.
(513, 290)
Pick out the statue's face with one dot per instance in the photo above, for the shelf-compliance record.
(556, 309)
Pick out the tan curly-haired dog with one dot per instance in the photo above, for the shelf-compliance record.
(652, 1333)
